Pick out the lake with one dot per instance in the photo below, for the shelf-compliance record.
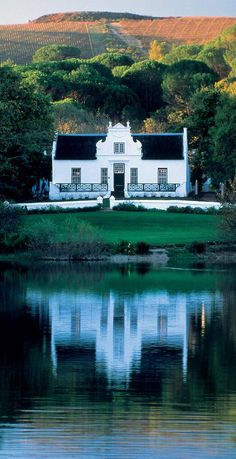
(100, 361)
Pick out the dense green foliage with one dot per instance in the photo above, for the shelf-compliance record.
(26, 133)
(56, 53)
(113, 59)
(11, 235)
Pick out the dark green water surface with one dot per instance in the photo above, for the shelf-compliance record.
(117, 362)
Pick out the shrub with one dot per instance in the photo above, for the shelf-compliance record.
(83, 241)
(125, 247)
(11, 242)
(89, 250)
(194, 210)
(11, 238)
(10, 216)
(228, 223)
(197, 247)
(172, 209)
(142, 248)
(129, 206)
(41, 236)
(54, 209)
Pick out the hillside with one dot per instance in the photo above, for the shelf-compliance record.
(19, 42)
(181, 30)
(89, 16)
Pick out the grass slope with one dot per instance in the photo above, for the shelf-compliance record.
(152, 227)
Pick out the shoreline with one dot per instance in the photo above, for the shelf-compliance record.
(214, 254)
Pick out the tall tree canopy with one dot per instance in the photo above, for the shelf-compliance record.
(145, 79)
(222, 164)
(181, 80)
(56, 53)
(181, 52)
(113, 59)
(26, 132)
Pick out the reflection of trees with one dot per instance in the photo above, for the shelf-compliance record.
(212, 355)
(23, 360)
(229, 307)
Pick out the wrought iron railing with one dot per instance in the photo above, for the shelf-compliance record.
(82, 187)
(153, 187)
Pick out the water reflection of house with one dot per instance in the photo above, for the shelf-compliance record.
(116, 330)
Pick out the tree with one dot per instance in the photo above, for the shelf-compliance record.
(155, 52)
(227, 42)
(181, 80)
(214, 57)
(118, 99)
(113, 59)
(56, 53)
(182, 52)
(119, 70)
(203, 107)
(228, 225)
(212, 128)
(145, 79)
(87, 85)
(222, 164)
(26, 132)
(71, 117)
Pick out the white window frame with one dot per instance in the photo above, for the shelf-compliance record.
(104, 175)
(75, 175)
(119, 148)
(134, 175)
(162, 175)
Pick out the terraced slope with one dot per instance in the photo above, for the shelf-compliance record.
(19, 42)
(183, 30)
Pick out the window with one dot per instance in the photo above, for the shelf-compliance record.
(75, 175)
(119, 168)
(104, 175)
(119, 147)
(134, 175)
(162, 175)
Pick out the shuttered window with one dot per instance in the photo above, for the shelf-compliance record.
(162, 175)
(75, 175)
(134, 175)
(104, 175)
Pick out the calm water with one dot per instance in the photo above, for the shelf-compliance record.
(117, 363)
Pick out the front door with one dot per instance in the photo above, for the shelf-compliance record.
(119, 180)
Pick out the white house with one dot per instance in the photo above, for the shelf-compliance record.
(118, 329)
(119, 163)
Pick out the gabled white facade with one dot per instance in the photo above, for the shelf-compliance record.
(119, 169)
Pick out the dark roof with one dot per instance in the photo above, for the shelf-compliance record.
(154, 146)
(161, 146)
(79, 146)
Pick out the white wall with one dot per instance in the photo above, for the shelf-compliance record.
(148, 204)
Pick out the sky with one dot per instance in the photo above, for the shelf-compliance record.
(21, 11)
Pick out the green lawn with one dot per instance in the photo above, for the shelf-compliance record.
(151, 227)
